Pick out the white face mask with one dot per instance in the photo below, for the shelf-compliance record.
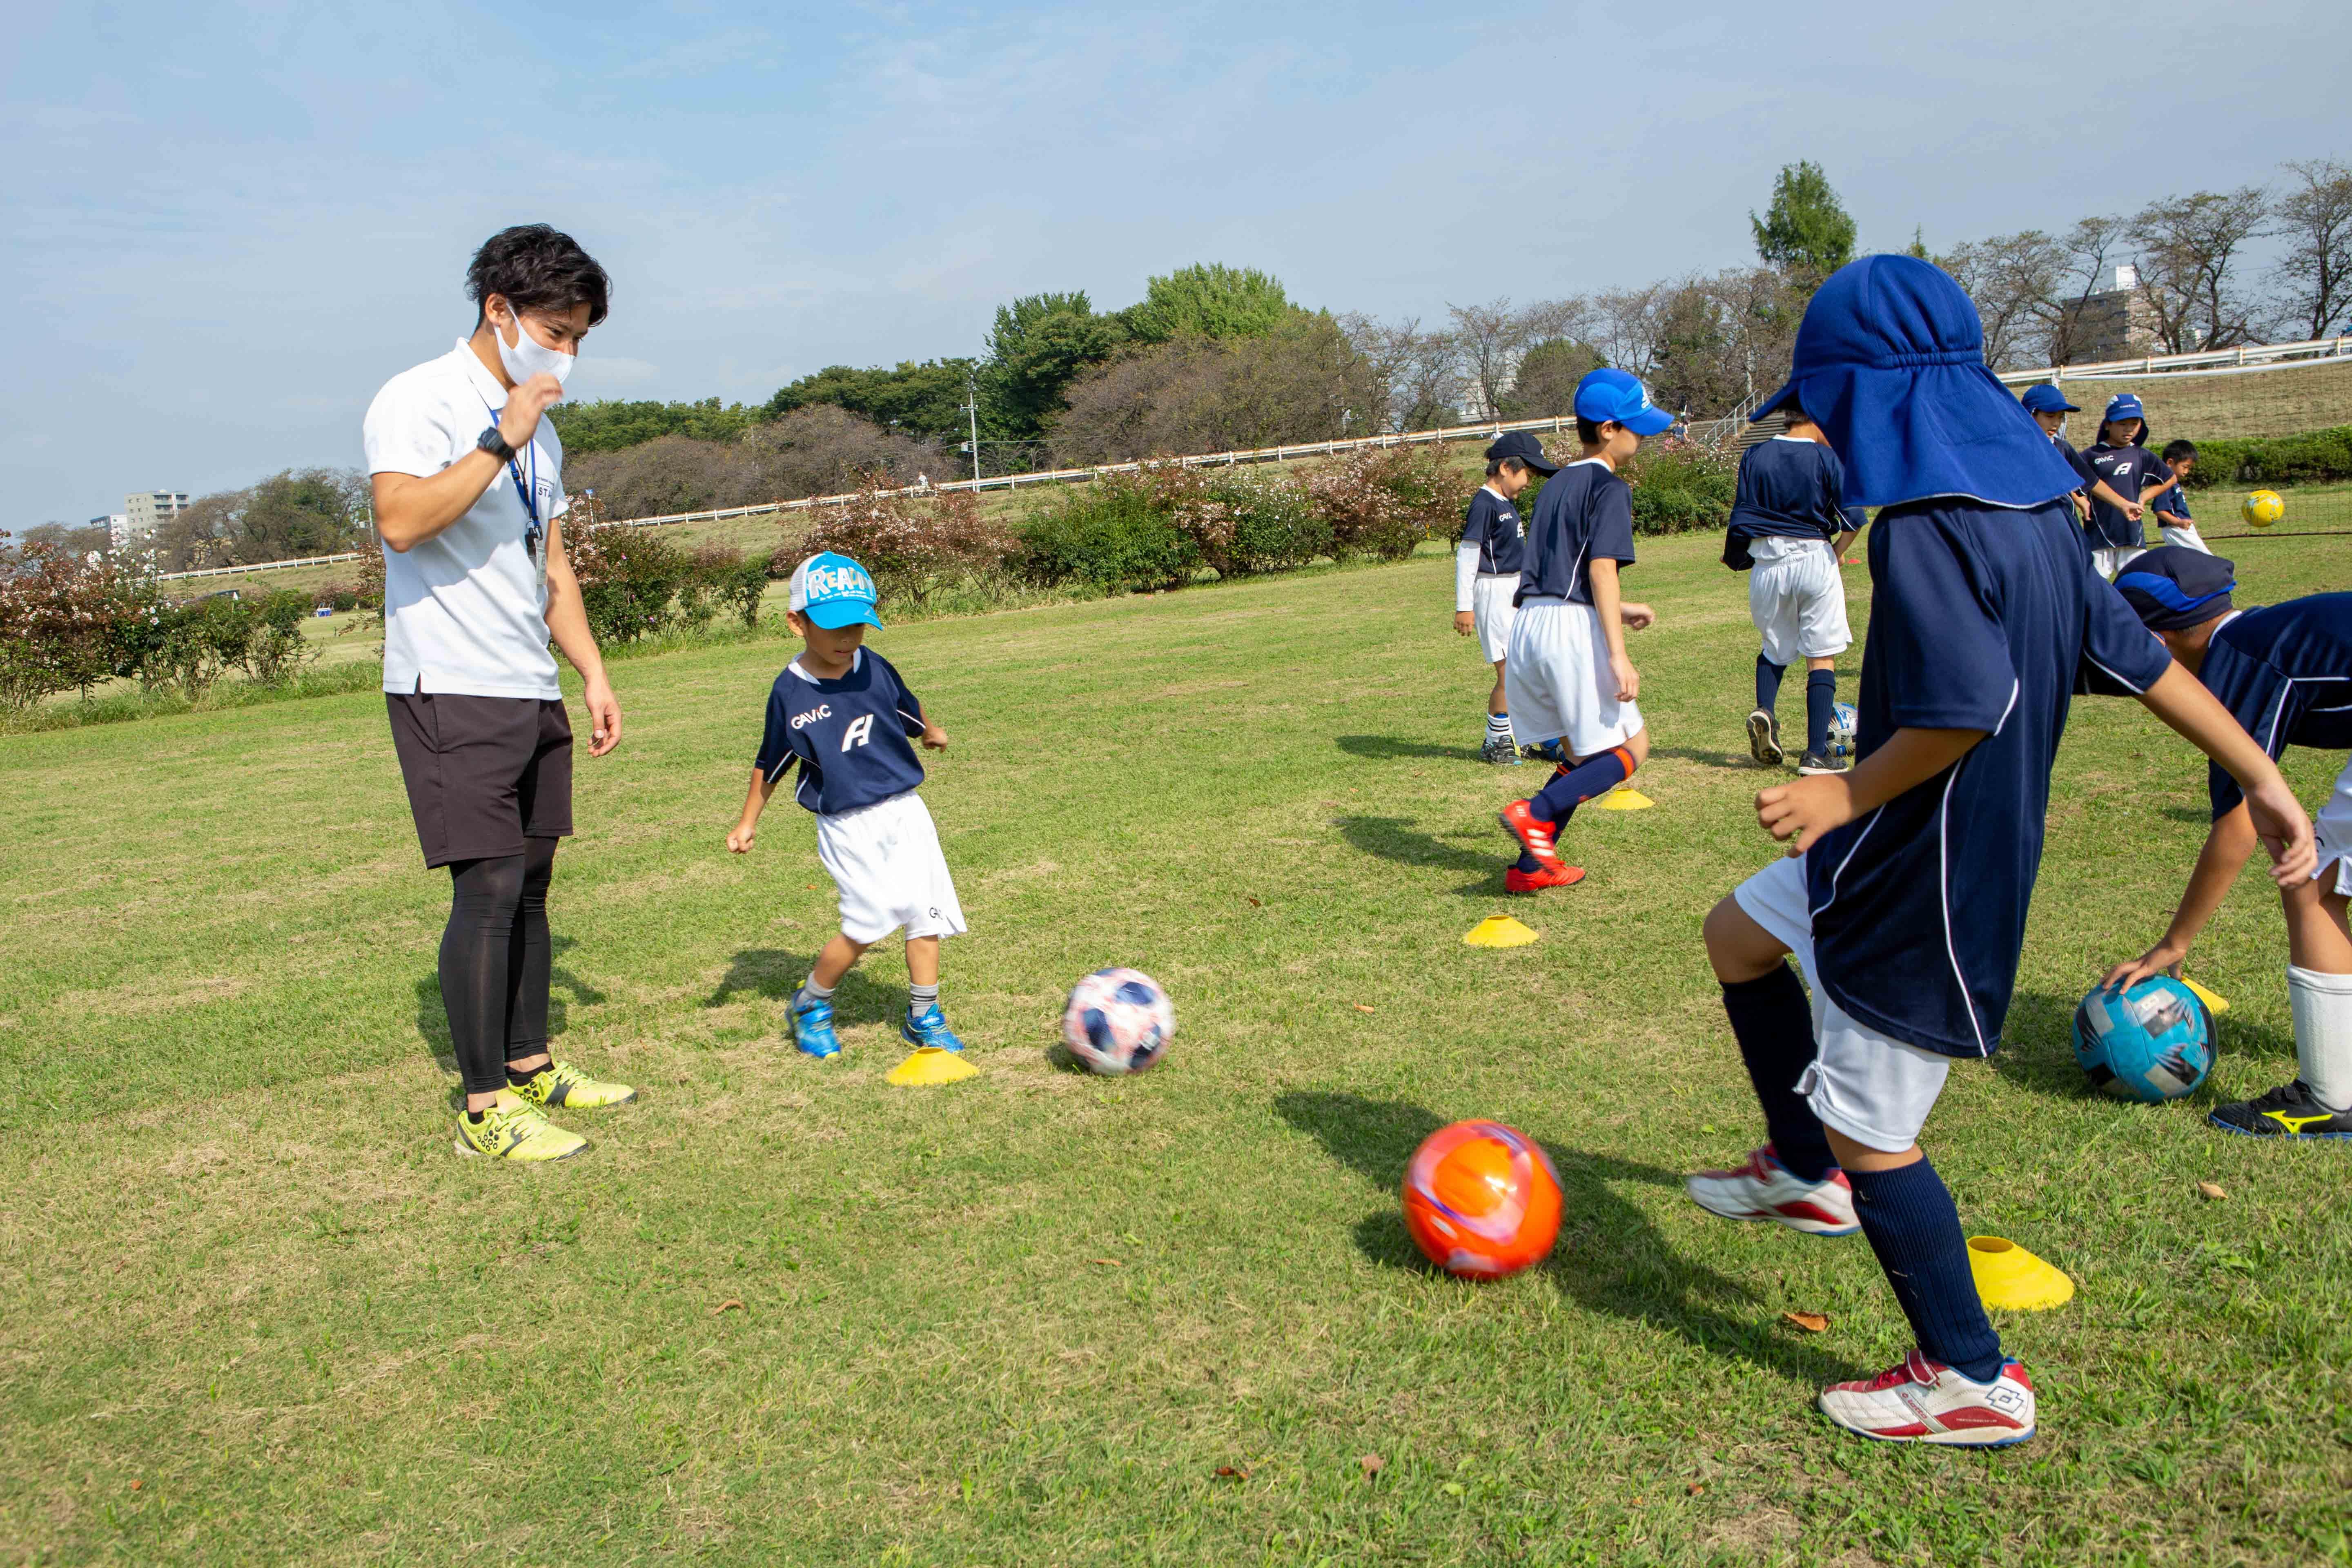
(527, 356)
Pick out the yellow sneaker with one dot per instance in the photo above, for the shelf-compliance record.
(561, 1083)
(511, 1130)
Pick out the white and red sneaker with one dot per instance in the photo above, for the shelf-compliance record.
(1923, 1401)
(1765, 1189)
(1533, 833)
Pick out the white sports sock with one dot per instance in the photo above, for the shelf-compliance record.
(2322, 1033)
(1499, 723)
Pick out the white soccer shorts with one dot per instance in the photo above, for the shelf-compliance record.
(1556, 679)
(2106, 560)
(2332, 825)
(2184, 534)
(1876, 1089)
(886, 860)
(1490, 606)
(1797, 598)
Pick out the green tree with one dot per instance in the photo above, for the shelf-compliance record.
(1041, 341)
(1209, 300)
(1547, 378)
(925, 399)
(1806, 233)
(609, 425)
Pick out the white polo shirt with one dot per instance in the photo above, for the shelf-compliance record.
(465, 613)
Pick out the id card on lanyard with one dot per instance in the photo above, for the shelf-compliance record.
(534, 533)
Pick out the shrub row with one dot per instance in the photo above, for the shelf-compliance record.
(635, 583)
(2317, 457)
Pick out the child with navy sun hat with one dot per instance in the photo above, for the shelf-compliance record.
(2049, 407)
(843, 714)
(1910, 877)
(1567, 674)
(2130, 472)
(2285, 670)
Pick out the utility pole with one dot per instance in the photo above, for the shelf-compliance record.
(972, 407)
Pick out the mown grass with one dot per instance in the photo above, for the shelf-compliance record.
(255, 1311)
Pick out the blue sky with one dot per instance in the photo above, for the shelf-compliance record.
(228, 224)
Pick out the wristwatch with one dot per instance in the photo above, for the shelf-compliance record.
(495, 445)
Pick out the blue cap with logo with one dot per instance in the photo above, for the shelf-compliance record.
(2124, 405)
(1607, 394)
(832, 591)
(2045, 398)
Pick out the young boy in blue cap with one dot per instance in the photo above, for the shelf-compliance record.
(1487, 573)
(1567, 676)
(843, 713)
(2049, 407)
(1789, 531)
(2172, 519)
(2285, 671)
(1906, 895)
(2130, 472)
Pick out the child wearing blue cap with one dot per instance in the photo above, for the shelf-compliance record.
(2122, 460)
(1487, 573)
(2049, 407)
(1910, 875)
(1567, 674)
(2285, 671)
(843, 714)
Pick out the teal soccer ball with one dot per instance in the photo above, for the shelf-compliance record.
(2151, 1042)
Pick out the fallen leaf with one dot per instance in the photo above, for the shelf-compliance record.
(1696, 1488)
(1451, 1488)
(812, 887)
(2212, 1189)
(1232, 1473)
(729, 1305)
(1255, 905)
(1706, 1127)
(1361, 1008)
(1811, 1322)
(134, 1483)
(1372, 1465)
(1108, 1262)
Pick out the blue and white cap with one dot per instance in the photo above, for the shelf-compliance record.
(833, 591)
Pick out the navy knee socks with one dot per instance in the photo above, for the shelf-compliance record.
(1820, 706)
(1768, 682)
(1570, 787)
(1914, 1228)
(1774, 1026)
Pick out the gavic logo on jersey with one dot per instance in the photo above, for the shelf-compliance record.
(860, 731)
(823, 710)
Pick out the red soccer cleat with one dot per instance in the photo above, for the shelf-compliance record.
(1517, 881)
(1533, 833)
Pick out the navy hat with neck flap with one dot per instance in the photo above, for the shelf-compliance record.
(1890, 363)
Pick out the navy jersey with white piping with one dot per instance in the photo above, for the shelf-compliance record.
(2127, 470)
(2173, 502)
(849, 736)
(1790, 488)
(1493, 525)
(2075, 460)
(2284, 671)
(1585, 513)
(1983, 617)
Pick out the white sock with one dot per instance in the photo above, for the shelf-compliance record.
(2322, 1033)
(1499, 724)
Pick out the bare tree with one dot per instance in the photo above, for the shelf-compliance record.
(1492, 338)
(2192, 255)
(1304, 381)
(1418, 383)
(2015, 280)
(2315, 277)
(2087, 257)
(1627, 325)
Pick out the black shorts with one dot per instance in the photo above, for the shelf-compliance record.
(483, 772)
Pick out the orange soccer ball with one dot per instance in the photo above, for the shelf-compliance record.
(1482, 1200)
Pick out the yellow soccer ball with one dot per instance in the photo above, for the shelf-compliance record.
(2263, 508)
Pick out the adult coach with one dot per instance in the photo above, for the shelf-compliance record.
(468, 475)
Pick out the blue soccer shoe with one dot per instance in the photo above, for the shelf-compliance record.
(812, 1031)
(929, 1031)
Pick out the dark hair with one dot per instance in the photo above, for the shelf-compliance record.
(1794, 413)
(2176, 451)
(537, 267)
(1587, 431)
(1494, 466)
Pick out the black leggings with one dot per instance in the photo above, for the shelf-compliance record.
(495, 958)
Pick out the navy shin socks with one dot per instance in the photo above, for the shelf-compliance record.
(1915, 1227)
(1774, 1026)
(1768, 682)
(1820, 706)
(1572, 787)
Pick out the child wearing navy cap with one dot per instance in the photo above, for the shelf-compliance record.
(1487, 573)
(1906, 895)
(2172, 517)
(2122, 460)
(1566, 672)
(843, 714)
(1789, 527)
(2285, 671)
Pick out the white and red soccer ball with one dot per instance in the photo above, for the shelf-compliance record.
(1118, 1021)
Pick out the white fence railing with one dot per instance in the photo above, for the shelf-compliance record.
(259, 566)
(2210, 362)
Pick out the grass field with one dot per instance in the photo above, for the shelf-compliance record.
(252, 1309)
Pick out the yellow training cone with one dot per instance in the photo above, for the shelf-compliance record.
(2216, 1005)
(2008, 1276)
(1498, 930)
(1624, 797)
(932, 1064)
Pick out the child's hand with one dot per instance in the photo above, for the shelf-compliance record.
(2134, 511)
(1641, 617)
(1800, 813)
(739, 841)
(934, 738)
(2284, 831)
(1465, 622)
(2163, 958)
(1628, 679)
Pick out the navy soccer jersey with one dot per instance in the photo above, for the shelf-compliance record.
(2173, 503)
(2076, 461)
(2127, 470)
(2286, 672)
(849, 736)
(1788, 488)
(1982, 617)
(1493, 525)
(1585, 513)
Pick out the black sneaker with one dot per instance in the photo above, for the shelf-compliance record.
(2287, 1112)
(1764, 739)
(1500, 750)
(1818, 763)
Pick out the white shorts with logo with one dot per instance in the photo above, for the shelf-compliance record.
(2108, 560)
(1876, 1089)
(2332, 825)
(1797, 598)
(1556, 679)
(886, 860)
(1490, 606)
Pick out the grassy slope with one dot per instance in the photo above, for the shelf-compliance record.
(1027, 1319)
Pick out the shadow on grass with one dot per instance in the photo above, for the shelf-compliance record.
(432, 1017)
(1396, 838)
(1390, 748)
(774, 974)
(1611, 1258)
(2038, 1046)
(1739, 760)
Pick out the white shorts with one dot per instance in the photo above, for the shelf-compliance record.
(1876, 1089)
(1556, 680)
(2184, 534)
(2108, 560)
(1490, 605)
(1797, 599)
(886, 860)
(2332, 825)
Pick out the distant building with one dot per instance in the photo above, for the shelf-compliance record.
(2120, 323)
(118, 528)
